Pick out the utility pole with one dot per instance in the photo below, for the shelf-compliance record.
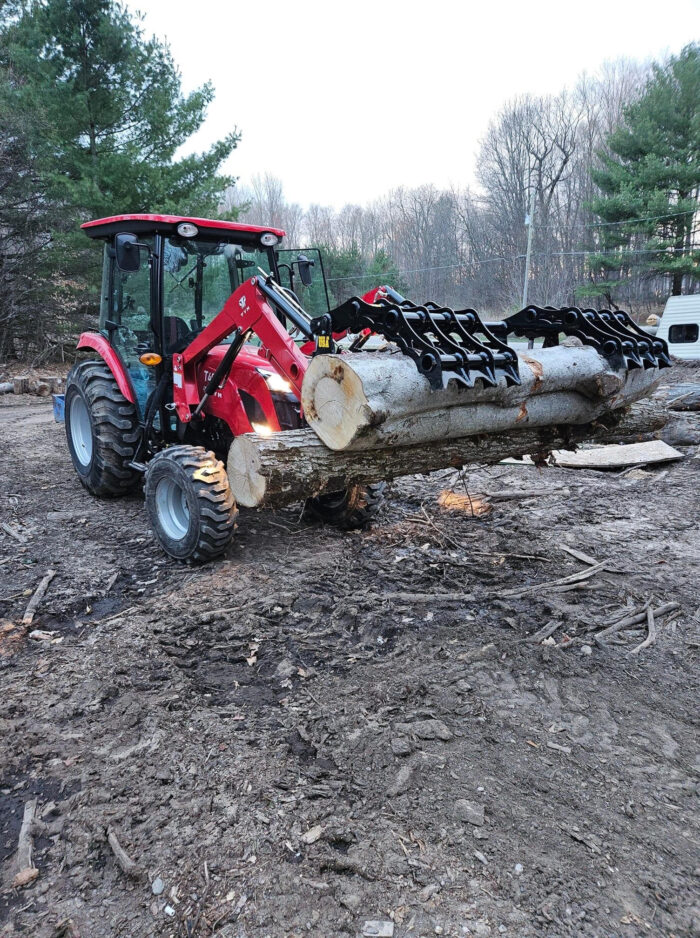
(528, 222)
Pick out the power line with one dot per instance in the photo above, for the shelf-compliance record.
(627, 221)
(514, 257)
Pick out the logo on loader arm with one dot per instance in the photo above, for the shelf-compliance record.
(243, 305)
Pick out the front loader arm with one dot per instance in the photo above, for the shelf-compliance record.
(245, 311)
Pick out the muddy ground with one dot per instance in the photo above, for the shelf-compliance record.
(325, 729)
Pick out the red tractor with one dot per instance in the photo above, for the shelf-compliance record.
(202, 337)
(206, 332)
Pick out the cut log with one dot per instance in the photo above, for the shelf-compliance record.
(21, 384)
(294, 464)
(7, 387)
(368, 400)
(53, 381)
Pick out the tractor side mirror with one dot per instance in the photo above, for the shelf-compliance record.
(127, 252)
(305, 265)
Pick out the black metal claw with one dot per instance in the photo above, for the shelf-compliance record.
(614, 334)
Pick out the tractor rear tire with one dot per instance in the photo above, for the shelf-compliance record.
(102, 428)
(353, 508)
(189, 503)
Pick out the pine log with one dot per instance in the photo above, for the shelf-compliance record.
(368, 400)
(293, 465)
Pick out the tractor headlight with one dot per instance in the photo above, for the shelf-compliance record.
(274, 381)
(268, 239)
(186, 229)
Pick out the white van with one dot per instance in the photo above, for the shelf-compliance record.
(680, 326)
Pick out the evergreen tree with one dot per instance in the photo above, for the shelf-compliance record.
(653, 173)
(345, 271)
(113, 113)
(382, 271)
(103, 117)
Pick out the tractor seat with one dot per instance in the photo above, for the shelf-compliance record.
(176, 334)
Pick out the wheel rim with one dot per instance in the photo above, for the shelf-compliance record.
(81, 431)
(172, 508)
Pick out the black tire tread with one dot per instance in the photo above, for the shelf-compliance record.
(218, 511)
(117, 429)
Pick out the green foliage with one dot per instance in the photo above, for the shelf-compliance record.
(383, 271)
(653, 173)
(350, 273)
(104, 116)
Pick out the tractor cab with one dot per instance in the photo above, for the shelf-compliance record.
(165, 278)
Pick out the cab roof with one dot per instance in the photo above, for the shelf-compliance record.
(167, 224)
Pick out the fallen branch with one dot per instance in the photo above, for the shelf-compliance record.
(25, 844)
(116, 615)
(518, 496)
(110, 583)
(29, 612)
(437, 597)
(635, 619)
(579, 555)
(543, 633)
(8, 529)
(128, 866)
(574, 578)
(651, 636)
(26, 871)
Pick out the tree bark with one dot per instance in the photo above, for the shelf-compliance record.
(378, 400)
(294, 464)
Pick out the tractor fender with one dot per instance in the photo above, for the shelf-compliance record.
(98, 342)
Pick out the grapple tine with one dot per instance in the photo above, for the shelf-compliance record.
(471, 370)
(627, 343)
(658, 347)
(641, 348)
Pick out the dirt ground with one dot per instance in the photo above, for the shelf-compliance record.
(325, 731)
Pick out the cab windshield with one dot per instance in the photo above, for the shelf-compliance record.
(198, 277)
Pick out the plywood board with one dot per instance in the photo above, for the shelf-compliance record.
(617, 456)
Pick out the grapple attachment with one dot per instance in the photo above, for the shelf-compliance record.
(458, 345)
(613, 333)
(437, 338)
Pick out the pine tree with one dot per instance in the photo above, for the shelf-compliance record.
(104, 116)
(650, 180)
(114, 110)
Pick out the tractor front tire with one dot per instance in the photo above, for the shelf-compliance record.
(102, 428)
(353, 508)
(189, 503)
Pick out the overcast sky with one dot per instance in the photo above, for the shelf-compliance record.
(345, 100)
